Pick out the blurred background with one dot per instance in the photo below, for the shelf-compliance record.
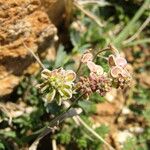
(59, 32)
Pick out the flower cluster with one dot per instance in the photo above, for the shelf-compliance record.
(87, 56)
(94, 83)
(97, 81)
(100, 81)
(121, 77)
(58, 84)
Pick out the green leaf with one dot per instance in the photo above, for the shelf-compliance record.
(64, 137)
(87, 106)
(95, 97)
(75, 37)
(61, 58)
(82, 142)
(8, 133)
(102, 130)
(2, 146)
(129, 144)
(146, 114)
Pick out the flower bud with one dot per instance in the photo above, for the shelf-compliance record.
(87, 56)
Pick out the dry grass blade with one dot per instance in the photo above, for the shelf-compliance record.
(94, 133)
(146, 22)
(100, 3)
(54, 145)
(125, 32)
(36, 57)
(89, 14)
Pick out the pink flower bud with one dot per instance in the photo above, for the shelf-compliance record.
(86, 57)
(120, 61)
(115, 71)
(95, 68)
(117, 61)
(111, 61)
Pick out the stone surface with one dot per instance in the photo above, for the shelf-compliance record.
(21, 21)
(55, 10)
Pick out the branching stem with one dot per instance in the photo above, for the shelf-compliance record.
(70, 112)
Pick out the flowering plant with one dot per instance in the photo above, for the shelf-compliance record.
(121, 77)
(60, 84)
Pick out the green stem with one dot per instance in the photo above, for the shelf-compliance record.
(126, 31)
(100, 51)
(141, 41)
(80, 64)
(75, 101)
(46, 130)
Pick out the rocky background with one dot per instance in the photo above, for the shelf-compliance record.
(32, 22)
